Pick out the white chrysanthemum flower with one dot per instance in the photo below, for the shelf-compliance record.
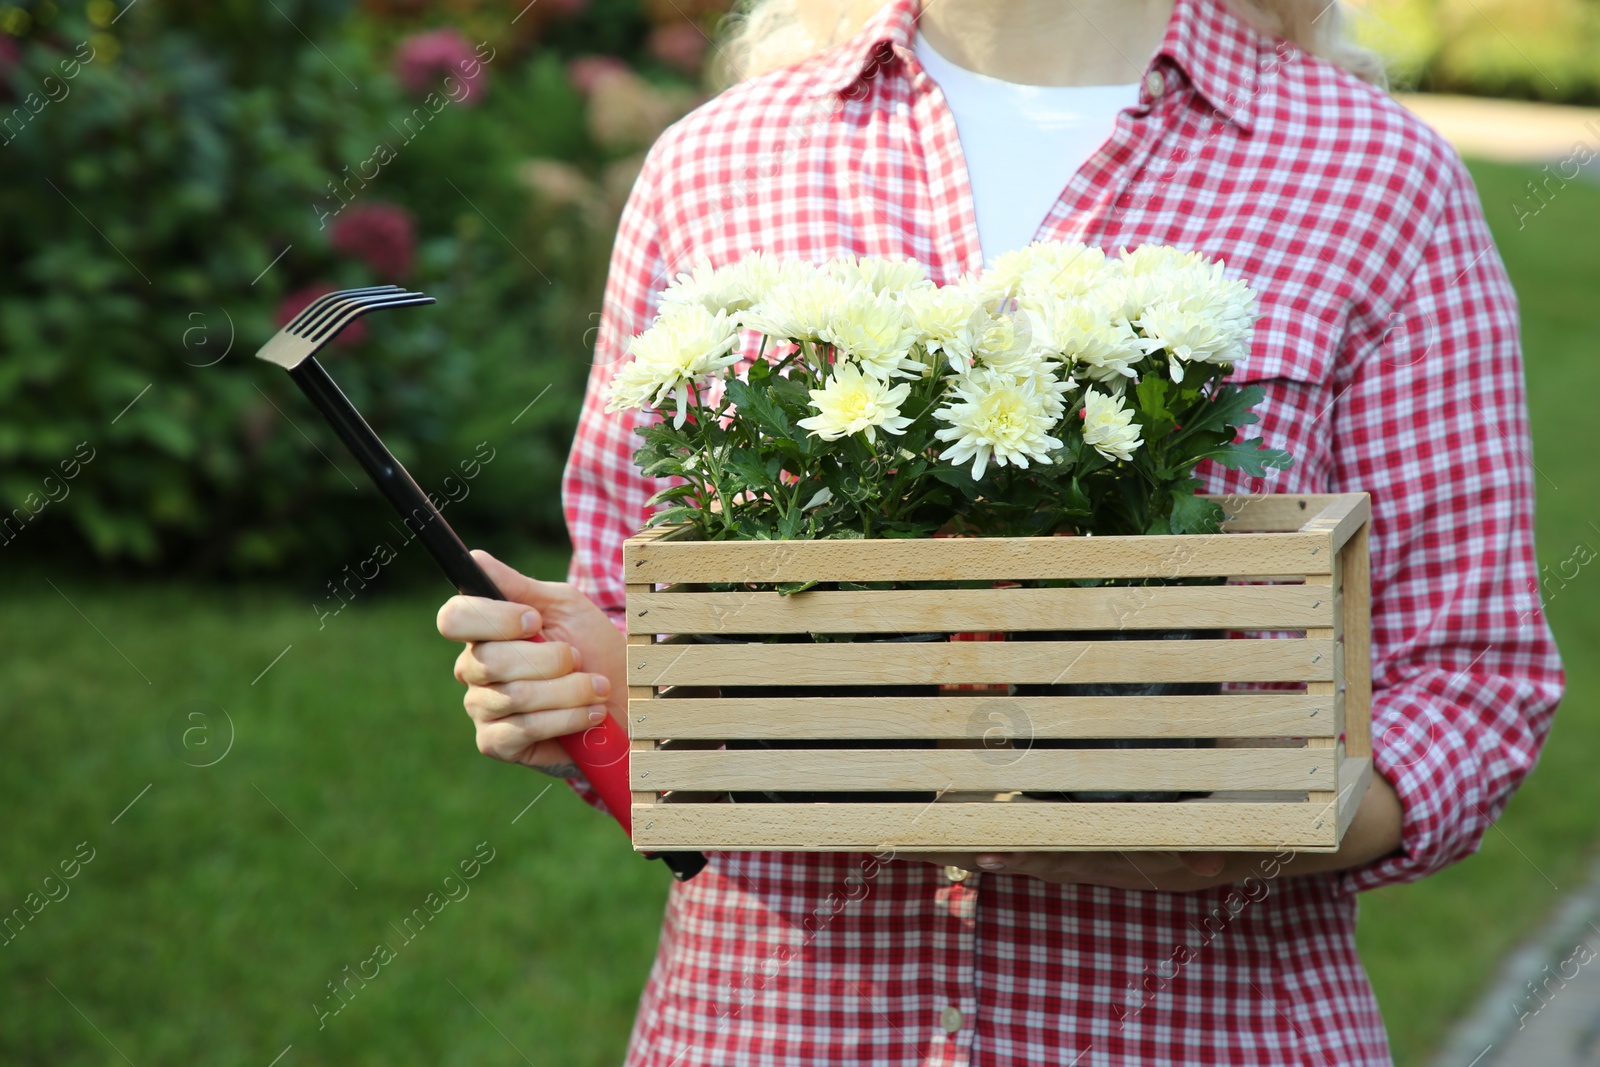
(851, 402)
(686, 345)
(1160, 259)
(874, 330)
(1108, 426)
(799, 306)
(1061, 269)
(996, 416)
(713, 288)
(1207, 320)
(756, 273)
(1103, 344)
(1127, 296)
(1047, 378)
(731, 288)
(1006, 344)
(881, 274)
(948, 320)
(1043, 315)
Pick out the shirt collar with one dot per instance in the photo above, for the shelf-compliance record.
(1205, 42)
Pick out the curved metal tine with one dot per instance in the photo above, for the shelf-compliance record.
(330, 303)
(356, 310)
(311, 312)
(324, 300)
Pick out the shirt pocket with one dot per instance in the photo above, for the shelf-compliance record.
(1294, 358)
(1296, 338)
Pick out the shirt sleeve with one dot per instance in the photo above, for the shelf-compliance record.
(1433, 423)
(604, 496)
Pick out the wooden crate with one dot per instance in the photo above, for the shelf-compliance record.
(1288, 769)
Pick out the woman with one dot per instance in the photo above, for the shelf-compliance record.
(1388, 350)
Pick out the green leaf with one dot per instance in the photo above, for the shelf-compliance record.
(757, 406)
(1194, 514)
(1250, 457)
(1228, 409)
(959, 477)
(1152, 396)
(672, 492)
(671, 515)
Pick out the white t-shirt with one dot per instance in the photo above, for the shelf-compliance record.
(1022, 142)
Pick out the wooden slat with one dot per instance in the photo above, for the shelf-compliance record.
(1357, 659)
(640, 742)
(1233, 607)
(1043, 826)
(939, 769)
(1270, 512)
(1265, 714)
(977, 558)
(1341, 518)
(949, 662)
(669, 532)
(1329, 585)
(1355, 776)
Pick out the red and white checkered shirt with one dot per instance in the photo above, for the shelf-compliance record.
(1389, 352)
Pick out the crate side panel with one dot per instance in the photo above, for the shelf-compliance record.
(993, 769)
(1273, 512)
(1043, 826)
(978, 558)
(1272, 713)
(1233, 607)
(983, 662)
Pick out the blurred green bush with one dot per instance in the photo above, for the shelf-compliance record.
(167, 203)
(1533, 49)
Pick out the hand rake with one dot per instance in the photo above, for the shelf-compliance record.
(601, 752)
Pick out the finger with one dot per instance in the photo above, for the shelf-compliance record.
(550, 758)
(487, 703)
(964, 860)
(516, 586)
(475, 618)
(1205, 864)
(505, 739)
(492, 662)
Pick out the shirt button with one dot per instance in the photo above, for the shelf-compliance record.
(1155, 84)
(950, 1019)
(956, 874)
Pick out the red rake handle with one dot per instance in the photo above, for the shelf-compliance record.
(601, 753)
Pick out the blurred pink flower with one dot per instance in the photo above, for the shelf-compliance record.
(10, 56)
(424, 60)
(585, 73)
(680, 45)
(381, 235)
(297, 301)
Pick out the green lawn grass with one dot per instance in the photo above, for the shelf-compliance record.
(218, 907)
(216, 910)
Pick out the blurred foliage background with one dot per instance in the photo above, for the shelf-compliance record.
(183, 191)
(1532, 49)
(173, 202)
(177, 177)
